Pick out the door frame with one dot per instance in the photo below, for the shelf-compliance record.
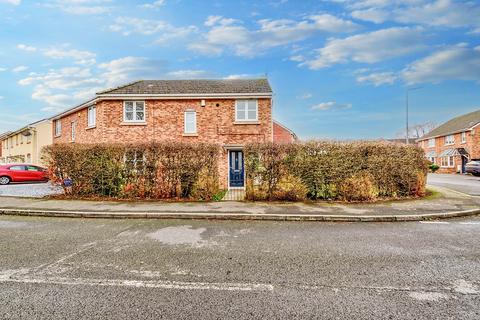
(228, 167)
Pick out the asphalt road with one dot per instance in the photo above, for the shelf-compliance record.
(463, 183)
(52, 268)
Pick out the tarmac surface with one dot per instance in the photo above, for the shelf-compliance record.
(60, 268)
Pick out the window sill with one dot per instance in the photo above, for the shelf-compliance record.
(247, 122)
(133, 124)
(90, 128)
(190, 134)
(57, 136)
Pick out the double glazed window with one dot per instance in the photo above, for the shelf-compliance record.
(73, 130)
(134, 111)
(246, 110)
(431, 143)
(58, 127)
(464, 137)
(450, 139)
(447, 161)
(190, 122)
(92, 116)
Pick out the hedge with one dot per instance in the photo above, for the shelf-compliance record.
(167, 170)
(349, 171)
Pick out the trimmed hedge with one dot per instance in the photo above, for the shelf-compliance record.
(350, 171)
(167, 170)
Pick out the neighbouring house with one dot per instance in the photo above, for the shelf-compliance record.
(454, 143)
(227, 112)
(2, 137)
(25, 144)
(282, 134)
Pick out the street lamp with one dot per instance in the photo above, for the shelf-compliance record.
(407, 140)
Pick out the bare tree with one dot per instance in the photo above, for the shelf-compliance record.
(418, 130)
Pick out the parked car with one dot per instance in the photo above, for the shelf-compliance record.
(473, 167)
(21, 173)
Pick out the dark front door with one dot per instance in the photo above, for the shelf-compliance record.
(464, 162)
(236, 168)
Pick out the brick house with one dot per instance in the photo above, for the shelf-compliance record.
(454, 143)
(228, 112)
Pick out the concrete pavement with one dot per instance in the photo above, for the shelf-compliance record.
(55, 268)
(444, 204)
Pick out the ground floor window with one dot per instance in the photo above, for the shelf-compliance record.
(431, 159)
(447, 161)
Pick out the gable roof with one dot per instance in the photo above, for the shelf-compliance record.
(192, 87)
(462, 123)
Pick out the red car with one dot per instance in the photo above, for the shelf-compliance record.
(21, 173)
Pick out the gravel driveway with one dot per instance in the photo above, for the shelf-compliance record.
(35, 190)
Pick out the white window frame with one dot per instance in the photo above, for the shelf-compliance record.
(450, 139)
(431, 143)
(58, 128)
(447, 162)
(92, 116)
(194, 122)
(134, 120)
(73, 130)
(464, 137)
(246, 110)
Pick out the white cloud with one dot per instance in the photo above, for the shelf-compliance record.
(154, 5)
(219, 20)
(65, 87)
(446, 13)
(242, 76)
(441, 13)
(3, 69)
(25, 47)
(14, 2)
(305, 96)
(126, 69)
(81, 7)
(368, 47)
(80, 57)
(458, 62)
(189, 74)
(19, 69)
(127, 26)
(331, 105)
(230, 34)
(378, 78)
(371, 14)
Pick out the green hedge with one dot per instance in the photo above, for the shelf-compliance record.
(351, 171)
(168, 170)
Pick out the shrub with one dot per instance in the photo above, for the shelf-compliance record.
(154, 171)
(290, 188)
(336, 170)
(360, 187)
(433, 167)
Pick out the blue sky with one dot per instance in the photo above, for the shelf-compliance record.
(339, 68)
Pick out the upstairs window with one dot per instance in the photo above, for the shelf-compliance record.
(134, 111)
(92, 116)
(464, 137)
(246, 110)
(450, 139)
(74, 130)
(190, 122)
(58, 127)
(431, 143)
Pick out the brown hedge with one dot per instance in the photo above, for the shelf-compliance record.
(167, 170)
(352, 171)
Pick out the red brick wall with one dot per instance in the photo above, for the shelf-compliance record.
(165, 121)
(281, 134)
(472, 145)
